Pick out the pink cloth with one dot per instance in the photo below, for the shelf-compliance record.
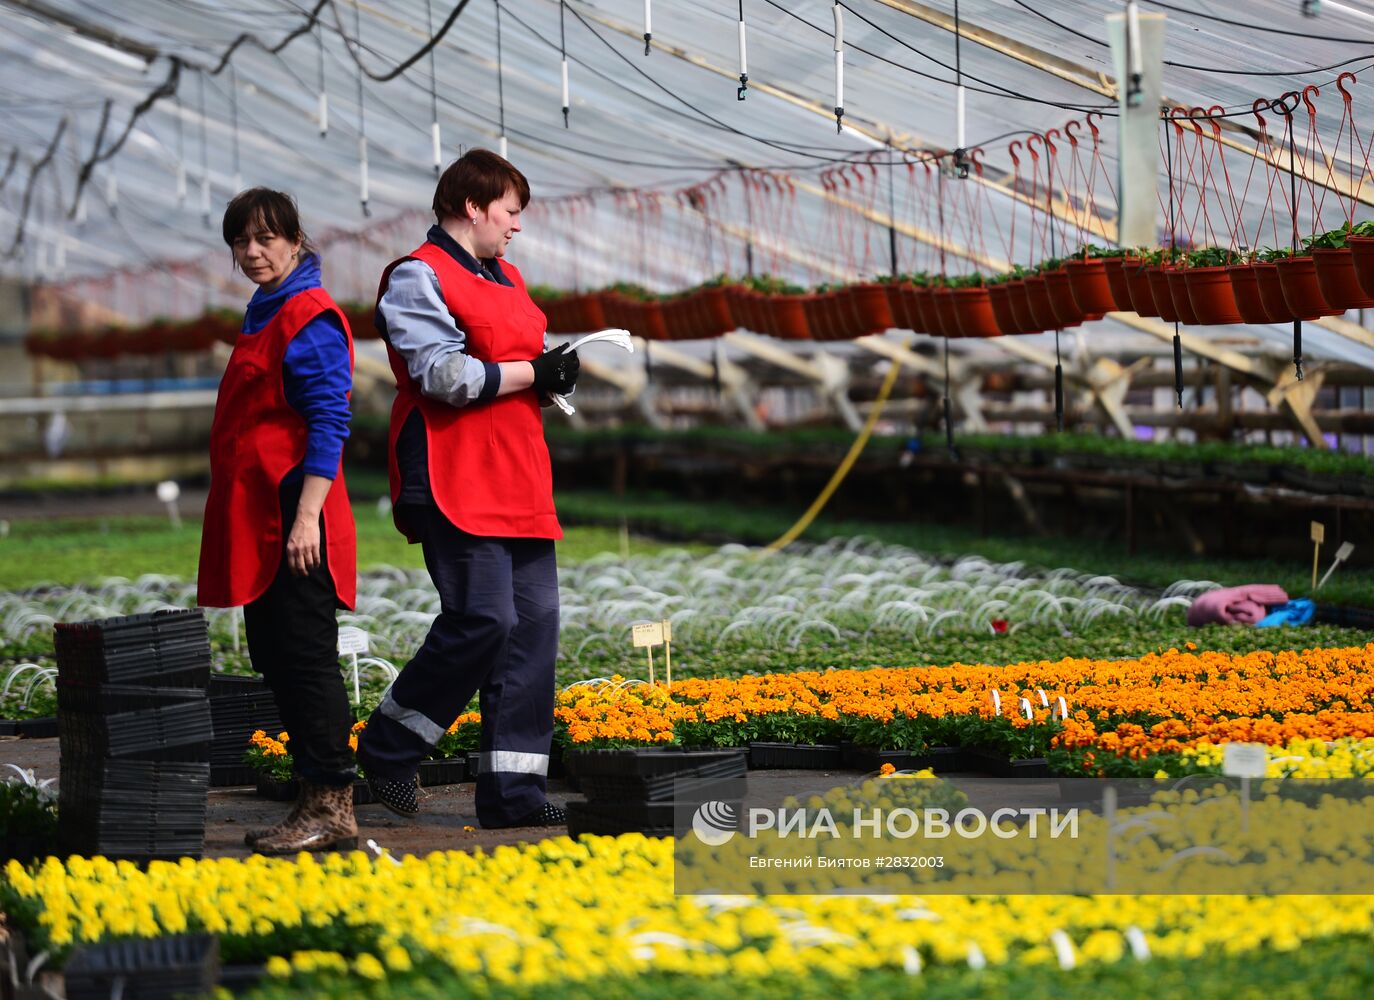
(1246, 605)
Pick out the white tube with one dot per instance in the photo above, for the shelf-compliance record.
(839, 27)
(324, 112)
(1133, 38)
(238, 182)
(648, 18)
(362, 170)
(60, 256)
(743, 55)
(181, 185)
(80, 214)
(503, 148)
(112, 189)
(839, 79)
(436, 144)
(205, 193)
(959, 117)
(566, 103)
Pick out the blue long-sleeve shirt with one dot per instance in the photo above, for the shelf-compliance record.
(316, 373)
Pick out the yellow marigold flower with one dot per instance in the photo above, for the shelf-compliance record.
(278, 967)
(367, 966)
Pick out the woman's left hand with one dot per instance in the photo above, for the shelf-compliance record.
(303, 546)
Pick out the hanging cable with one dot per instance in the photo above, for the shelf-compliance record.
(648, 25)
(501, 78)
(960, 155)
(839, 68)
(362, 119)
(1284, 109)
(1178, 341)
(563, 52)
(234, 124)
(433, 96)
(323, 112)
(743, 58)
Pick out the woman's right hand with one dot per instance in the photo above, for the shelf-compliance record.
(556, 370)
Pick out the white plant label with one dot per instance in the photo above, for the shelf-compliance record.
(1245, 760)
(352, 640)
(647, 634)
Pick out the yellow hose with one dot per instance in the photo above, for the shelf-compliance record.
(855, 450)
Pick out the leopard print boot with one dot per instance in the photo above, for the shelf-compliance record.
(325, 823)
(252, 837)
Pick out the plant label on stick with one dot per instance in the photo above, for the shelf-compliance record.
(668, 650)
(353, 641)
(1318, 536)
(1342, 554)
(1245, 760)
(648, 635)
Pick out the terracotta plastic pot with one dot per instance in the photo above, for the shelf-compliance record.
(1298, 279)
(715, 308)
(1159, 289)
(1038, 300)
(1091, 290)
(1177, 280)
(1115, 270)
(1213, 301)
(680, 319)
(1271, 291)
(923, 297)
(1020, 306)
(948, 316)
(1336, 278)
(1138, 285)
(869, 303)
(788, 317)
(999, 297)
(1362, 257)
(974, 311)
(1249, 303)
(896, 305)
(821, 319)
(1065, 308)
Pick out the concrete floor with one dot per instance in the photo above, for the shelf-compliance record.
(447, 810)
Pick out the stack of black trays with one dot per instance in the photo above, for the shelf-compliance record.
(160, 968)
(239, 705)
(641, 791)
(135, 729)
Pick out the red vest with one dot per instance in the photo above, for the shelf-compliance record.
(257, 438)
(488, 462)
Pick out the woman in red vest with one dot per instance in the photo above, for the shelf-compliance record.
(278, 534)
(470, 482)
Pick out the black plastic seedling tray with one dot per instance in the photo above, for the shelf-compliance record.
(666, 787)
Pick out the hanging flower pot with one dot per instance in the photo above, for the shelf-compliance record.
(1362, 258)
(1115, 270)
(1066, 311)
(1138, 284)
(999, 298)
(896, 304)
(650, 321)
(821, 318)
(679, 319)
(1158, 281)
(1211, 296)
(1088, 283)
(1043, 316)
(788, 317)
(973, 310)
(1336, 278)
(715, 305)
(1271, 291)
(920, 305)
(1245, 284)
(1298, 279)
(1020, 307)
(1177, 281)
(945, 312)
(745, 307)
(868, 301)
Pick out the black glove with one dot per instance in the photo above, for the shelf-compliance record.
(556, 371)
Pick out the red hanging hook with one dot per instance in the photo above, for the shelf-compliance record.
(1340, 85)
(1069, 131)
(1031, 149)
(973, 155)
(1255, 110)
(1214, 115)
(1011, 151)
(1092, 127)
(1049, 143)
(1311, 88)
(1193, 115)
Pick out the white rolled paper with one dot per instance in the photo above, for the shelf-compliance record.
(566, 103)
(324, 112)
(181, 185)
(839, 79)
(362, 169)
(436, 144)
(959, 116)
(503, 148)
(743, 54)
(839, 27)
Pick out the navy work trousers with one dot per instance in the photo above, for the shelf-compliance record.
(497, 633)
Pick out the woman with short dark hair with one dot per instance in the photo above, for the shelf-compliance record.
(278, 537)
(470, 481)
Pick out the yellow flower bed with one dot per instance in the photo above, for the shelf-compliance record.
(567, 910)
(1303, 758)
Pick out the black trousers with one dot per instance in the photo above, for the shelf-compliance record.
(497, 633)
(293, 641)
